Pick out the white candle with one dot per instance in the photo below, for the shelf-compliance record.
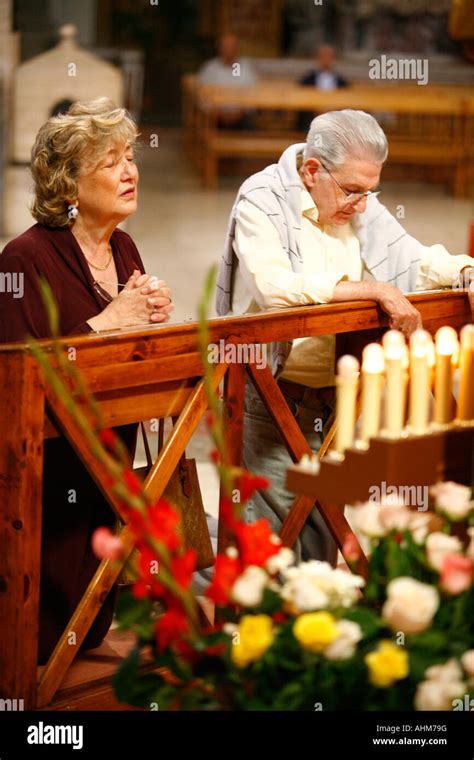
(466, 380)
(346, 393)
(446, 357)
(396, 363)
(373, 364)
(420, 382)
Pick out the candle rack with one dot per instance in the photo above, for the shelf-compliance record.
(411, 460)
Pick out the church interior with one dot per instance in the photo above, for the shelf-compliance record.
(342, 364)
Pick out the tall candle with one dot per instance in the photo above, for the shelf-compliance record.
(466, 379)
(420, 383)
(372, 383)
(446, 355)
(346, 393)
(396, 362)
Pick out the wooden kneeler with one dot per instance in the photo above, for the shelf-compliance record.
(108, 572)
(297, 445)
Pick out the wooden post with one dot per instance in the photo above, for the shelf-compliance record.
(21, 470)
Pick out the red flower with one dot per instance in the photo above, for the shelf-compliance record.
(132, 482)
(140, 590)
(164, 524)
(170, 628)
(183, 567)
(227, 570)
(215, 456)
(227, 513)
(108, 438)
(247, 483)
(279, 617)
(256, 543)
(216, 650)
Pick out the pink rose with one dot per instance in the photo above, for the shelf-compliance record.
(456, 574)
(105, 545)
(351, 550)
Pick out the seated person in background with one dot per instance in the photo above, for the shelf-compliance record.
(311, 230)
(323, 77)
(85, 184)
(227, 70)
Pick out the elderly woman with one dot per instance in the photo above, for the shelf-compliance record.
(85, 181)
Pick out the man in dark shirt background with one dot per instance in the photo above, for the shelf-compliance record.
(323, 77)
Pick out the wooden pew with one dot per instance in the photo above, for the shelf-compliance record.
(137, 374)
(428, 126)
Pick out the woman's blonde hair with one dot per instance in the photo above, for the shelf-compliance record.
(68, 143)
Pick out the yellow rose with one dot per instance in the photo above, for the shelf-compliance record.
(316, 630)
(253, 637)
(389, 663)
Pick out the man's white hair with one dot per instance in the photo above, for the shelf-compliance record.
(336, 136)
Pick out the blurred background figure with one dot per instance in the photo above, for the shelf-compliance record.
(227, 70)
(324, 77)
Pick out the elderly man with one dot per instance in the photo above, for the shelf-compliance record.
(310, 230)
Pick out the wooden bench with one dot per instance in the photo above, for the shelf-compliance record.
(427, 126)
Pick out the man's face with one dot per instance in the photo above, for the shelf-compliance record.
(354, 176)
(325, 58)
(228, 48)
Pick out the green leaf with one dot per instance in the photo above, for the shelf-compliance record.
(126, 676)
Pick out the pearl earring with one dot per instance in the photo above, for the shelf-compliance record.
(72, 211)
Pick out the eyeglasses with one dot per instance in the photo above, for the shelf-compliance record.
(351, 197)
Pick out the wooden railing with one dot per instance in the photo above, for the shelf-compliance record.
(138, 374)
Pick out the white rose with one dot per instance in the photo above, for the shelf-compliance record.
(419, 526)
(280, 561)
(446, 673)
(344, 587)
(303, 594)
(438, 695)
(438, 545)
(395, 516)
(467, 661)
(317, 584)
(344, 646)
(367, 519)
(453, 499)
(248, 588)
(410, 605)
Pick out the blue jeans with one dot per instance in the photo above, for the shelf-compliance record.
(264, 453)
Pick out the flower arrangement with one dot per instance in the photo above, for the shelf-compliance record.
(286, 636)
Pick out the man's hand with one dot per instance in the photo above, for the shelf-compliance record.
(403, 316)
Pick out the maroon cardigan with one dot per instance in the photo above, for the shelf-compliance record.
(67, 562)
(56, 255)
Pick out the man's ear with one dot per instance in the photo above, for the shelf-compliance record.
(310, 170)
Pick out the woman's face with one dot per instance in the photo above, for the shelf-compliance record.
(109, 191)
